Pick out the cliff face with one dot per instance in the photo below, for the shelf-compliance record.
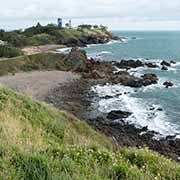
(85, 36)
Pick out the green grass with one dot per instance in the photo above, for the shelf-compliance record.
(39, 142)
(8, 51)
(41, 39)
(44, 61)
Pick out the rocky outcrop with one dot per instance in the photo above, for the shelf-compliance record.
(168, 84)
(104, 71)
(151, 65)
(126, 79)
(126, 64)
(94, 39)
(150, 79)
(83, 39)
(116, 115)
(164, 68)
(172, 62)
(78, 60)
(165, 63)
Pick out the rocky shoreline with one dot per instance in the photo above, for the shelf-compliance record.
(77, 97)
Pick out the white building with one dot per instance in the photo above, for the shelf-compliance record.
(2, 43)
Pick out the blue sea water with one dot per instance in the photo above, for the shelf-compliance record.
(143, 103)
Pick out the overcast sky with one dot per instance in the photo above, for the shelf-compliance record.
(117, 14)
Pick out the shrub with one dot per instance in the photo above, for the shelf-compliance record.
(7, 51)
(41, 39)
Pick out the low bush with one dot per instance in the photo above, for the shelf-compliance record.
(9, 52)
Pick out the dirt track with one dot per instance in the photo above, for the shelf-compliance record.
(37, 84)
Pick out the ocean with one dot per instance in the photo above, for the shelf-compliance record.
(145, 102)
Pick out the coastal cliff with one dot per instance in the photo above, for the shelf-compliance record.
(39, 141)
(51, 35)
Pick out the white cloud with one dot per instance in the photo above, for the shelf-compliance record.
(123, 10)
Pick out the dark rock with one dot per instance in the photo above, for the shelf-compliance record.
(129, 64)
(151, 65)
(134, 38)
(165, 63)
(107, 97)
(172, 62)
(159, 109)
(97, 75)
(149, 79)
(115, 115)
(78, 60)
(144, 129)
(122, 73)
(168, 84)
(171, 138)
(164, 68)
(116, 38)
(134, 83)
(151, 108)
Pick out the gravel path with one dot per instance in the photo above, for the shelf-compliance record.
(37, 84)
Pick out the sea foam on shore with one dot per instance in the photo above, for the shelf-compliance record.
(144, 114)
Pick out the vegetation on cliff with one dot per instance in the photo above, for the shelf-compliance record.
(40, 143)
(75, 61)
(8, 51)
(51, 34)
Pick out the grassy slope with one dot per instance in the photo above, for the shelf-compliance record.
(44, 61)
(40, 143)
(65, 34)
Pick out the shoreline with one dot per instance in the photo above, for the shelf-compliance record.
(77, 99)
(74, 97)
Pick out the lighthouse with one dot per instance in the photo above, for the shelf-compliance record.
(59, 22)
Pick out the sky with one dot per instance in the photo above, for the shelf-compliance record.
(116, 14)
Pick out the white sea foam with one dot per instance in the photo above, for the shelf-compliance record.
(113, 42)
(108, 43)
(104, 53)
(93, 45)
(142, 115)
(111, 90)
(64, 50)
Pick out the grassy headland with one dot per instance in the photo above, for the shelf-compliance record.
(51, 34)
(40, 143)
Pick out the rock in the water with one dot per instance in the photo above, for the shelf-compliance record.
(150, 79)
(151, 65)
(134, 82)
(144, 129)
(168, 84)
(134, 38)
(165, 63)
(164, 68)
(129, 64)
(172, 62)
(114, 115)
(159, 109)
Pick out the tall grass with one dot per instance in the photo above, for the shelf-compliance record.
(39, 142)
(44, 61)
